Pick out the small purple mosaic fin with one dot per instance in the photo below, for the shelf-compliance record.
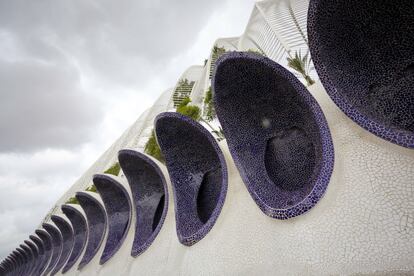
(67, 242)
(30, 256)
(198, 174)
(80, 234)
(96, 217)
(368, 71)
(118, 208)
(150, 196)
(56, 245)
(35, 255)
(276, 133)
(43, 258)
(47, 245)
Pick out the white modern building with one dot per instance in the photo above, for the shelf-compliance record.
(363, 225)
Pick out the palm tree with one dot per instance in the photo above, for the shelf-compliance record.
(301, 65)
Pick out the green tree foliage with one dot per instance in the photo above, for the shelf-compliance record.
(191, 111)
(72, 200)
(91, 188)
(209, 105)
(152, 148)
(301, 65)
(114, 169)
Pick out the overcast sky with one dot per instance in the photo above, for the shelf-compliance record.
(74, 74)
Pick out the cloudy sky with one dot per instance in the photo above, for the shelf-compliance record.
(74, 74)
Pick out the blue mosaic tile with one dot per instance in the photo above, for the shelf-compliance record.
(67, 242)
(198, 174)
(276, 132)
(150, 196)
(56, 237)
(96, 217)
(118, 209)
(364, 55)
(47, 246)
(80, 234)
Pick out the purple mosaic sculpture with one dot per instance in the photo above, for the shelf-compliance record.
(35, 256)
(364, 55)
(118, 209)
(67, 242)
(198, 174)
(30, 258)
(276, 133)
(80, 234)
(24, 261)
(56, 245)
(150, 196)
(96, 217)
(42, 256)
(47, 245)
(19, 261)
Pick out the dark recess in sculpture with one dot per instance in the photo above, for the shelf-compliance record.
(364, 55)
(276, 133)
(118, 209)
(80, 234)
(47, 245)
(42, 256)
(35, 255)
(96, 217)
(150, 196)
(67, 241)
(57, 246)
(198, 174)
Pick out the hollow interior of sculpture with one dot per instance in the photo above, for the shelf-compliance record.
(366, 50)
(47, 246)
(67, 241)
(80, 233)
(270, 128)
(96, 217)
(195, 171)
(56, 238)
(148, 189)
(118, 209)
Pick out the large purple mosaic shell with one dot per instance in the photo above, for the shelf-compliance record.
(80, 234)
(118, 209)
(56, 245)
(198, 174)
(47, 245)
(364, 55)
(96, 217)
(276, 133)
(150, 196)
(67, 241)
